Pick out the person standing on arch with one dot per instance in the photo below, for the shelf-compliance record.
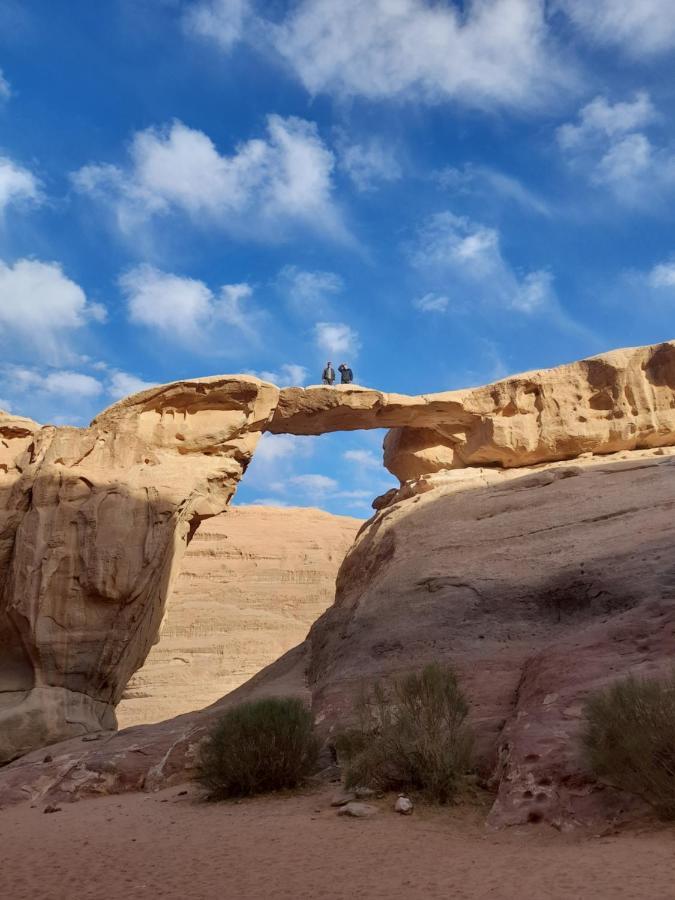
(347, 376)
(328, 376)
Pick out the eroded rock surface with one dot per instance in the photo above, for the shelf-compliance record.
(621, 400)
(251, 584)
(539, 584)
(539, 588)
(93, 523)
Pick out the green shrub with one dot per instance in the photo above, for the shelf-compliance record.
(264, 745)
(410, 735)
(629, 739)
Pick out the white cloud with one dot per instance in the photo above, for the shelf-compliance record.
(602, 119)
(17, 184)
(270, 501)
(184, 309)
(122, 384)
(40, 308)
(308, 292)
(274, 447)
(454, 248)
(639, 27)
(662, 275)
(5, 89)
(5, 405)
(370, 163)
(431, 303)
(289, 374)
(27, 382)
(283, 178)
(315, 484)
(364, 459)
(219, 20)
(336, 339)
(607, 146)
(488, 53)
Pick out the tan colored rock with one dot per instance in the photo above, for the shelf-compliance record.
(538, 588)
(251, 584)
(93, 523)
(621, 400)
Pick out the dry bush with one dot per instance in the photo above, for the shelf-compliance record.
(629, 739)
(256, 747)
(410, 735)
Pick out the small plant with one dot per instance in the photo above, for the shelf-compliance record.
(256, 747)
(410, 735)
(629, 739)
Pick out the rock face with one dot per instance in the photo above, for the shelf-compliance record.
(93, 523)
(538, 588)
(251, 584)
(539, 584)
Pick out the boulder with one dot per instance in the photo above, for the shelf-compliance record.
(356, 810)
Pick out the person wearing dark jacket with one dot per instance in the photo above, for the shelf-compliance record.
(328, 375)
(346, 373)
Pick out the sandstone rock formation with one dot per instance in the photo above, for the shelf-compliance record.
(538, 583)
(618, 401)
(93, 523)
(251, 584)
(539, 586)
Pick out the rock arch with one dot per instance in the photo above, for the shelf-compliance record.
(94, 521)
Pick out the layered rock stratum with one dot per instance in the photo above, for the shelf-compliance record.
(251, 584)
(540, 579)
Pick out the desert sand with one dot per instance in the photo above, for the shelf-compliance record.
(173, 845)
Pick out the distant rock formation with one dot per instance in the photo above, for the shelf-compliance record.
(251, 584)
(93, 522)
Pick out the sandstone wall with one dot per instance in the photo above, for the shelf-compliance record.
(251, 584)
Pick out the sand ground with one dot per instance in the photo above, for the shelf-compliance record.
(170, 845)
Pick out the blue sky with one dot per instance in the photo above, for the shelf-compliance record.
(440, 193)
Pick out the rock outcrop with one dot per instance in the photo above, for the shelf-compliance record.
(618, 401)
(539, 586)
(251, 584)
(538, 579)
(93, 523)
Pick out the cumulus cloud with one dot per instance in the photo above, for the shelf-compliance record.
(285, 177)
(221, 21)
(17, 185)
(289, 374)
(308, 292)
(470, 255)
(370, 164)
(336, 339)
(431, 303)
(601, 119)
(609, 145)
(639, 27)
(186, 310)
(486, 54)
(40, 308)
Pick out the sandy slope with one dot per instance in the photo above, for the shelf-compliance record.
(170, 846)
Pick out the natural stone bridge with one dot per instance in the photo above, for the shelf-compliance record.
(94, 521)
